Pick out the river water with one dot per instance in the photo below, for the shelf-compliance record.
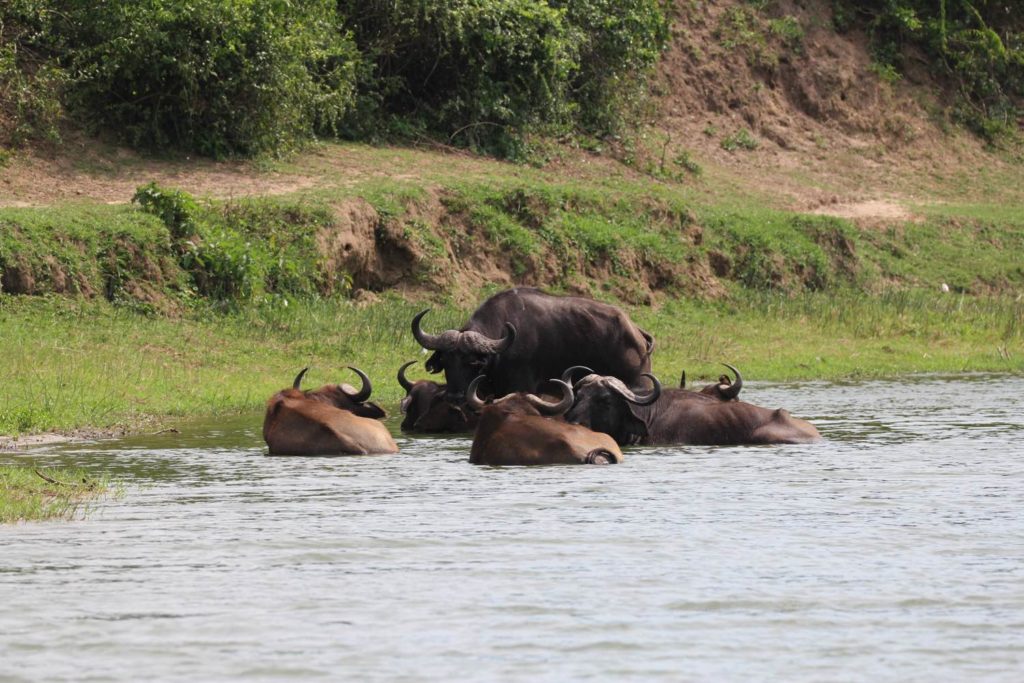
(893, 551)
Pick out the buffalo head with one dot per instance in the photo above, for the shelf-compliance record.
(605, 404)
(522, 403)
(461, 355)
(426, 407)
(342, 396)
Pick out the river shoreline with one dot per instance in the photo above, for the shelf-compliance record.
(85, 368)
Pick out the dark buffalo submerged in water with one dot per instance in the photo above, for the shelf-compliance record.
(521, 337)
(711, 416)
(426, 408)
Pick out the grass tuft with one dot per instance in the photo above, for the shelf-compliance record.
(29, 494)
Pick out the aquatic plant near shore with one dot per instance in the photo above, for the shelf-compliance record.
(30, 494)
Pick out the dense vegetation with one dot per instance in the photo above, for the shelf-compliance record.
(186, 306)
(244, 77)
(977, 45)
(252, 76)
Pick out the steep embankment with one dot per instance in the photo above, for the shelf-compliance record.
(765, 122)
(418, 221)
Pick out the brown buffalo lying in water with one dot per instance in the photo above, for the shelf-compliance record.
(679, 416)
(334, 419)
(426, 408)
(514, 430)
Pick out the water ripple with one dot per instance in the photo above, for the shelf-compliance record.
(891, 551)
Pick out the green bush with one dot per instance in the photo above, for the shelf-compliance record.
(481, 73)
(617, 42)
(177, 209)
(31, 82)
(242, 249)
(477, 71)
(219, 77)
(246, 77)
(978, 45)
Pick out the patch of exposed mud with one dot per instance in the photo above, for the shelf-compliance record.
(86, 172)
(870, 211)
(821, 119)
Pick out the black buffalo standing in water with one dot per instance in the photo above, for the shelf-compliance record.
(679, 416)
(521, 337)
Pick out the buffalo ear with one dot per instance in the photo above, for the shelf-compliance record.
(370, 409)
(433, 364)
(636, 424)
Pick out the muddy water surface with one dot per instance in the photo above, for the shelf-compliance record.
(894, 551)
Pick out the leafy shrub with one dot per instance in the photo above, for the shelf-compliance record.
(480, 71)
(31, 82)
(220, 77)
(978, 45)
(224, 264)
(617, 41)
(741, 139)
(242, 249)
(483, 72)
(177, 209)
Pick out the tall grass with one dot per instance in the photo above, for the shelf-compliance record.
(842, 334)
(73, 363)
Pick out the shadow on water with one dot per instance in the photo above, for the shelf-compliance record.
(892, 550)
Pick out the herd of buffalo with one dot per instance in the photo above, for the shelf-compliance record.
(539, 379)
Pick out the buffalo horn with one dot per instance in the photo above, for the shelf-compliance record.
(630, 396)
(682, 380)
(364, 393)
(731, 391)
(472, 399)
(298, 378)
(556, 407)
(567, 375)
(501, 345)
(430, 342)
(406, 384)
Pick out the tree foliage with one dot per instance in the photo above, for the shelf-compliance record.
(978, 44)
(243, 77)
(484, 71)
(219, 77)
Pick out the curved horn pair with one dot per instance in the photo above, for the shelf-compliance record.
(358, 397)
(567, 376)
(626, 393)
(559, 407)
(447, 341)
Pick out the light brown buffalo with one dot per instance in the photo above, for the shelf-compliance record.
(332, 420)
(520, 429)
